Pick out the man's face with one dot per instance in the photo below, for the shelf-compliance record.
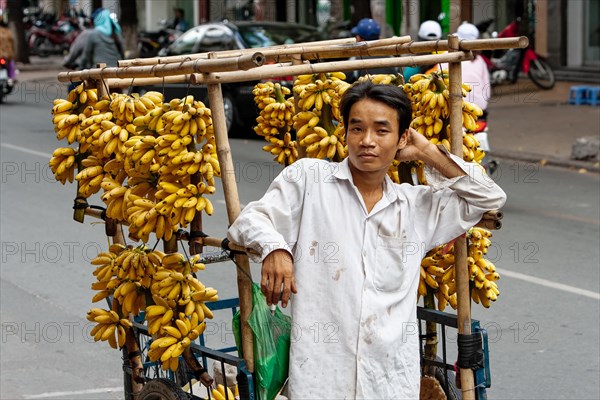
(372, 135)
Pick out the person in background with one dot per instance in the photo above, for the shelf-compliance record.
(179, 22)
(103, 43)
(348, 242)
(475, 72)
(7, 51)
(428, 30)
(367, 29)
(73, 59)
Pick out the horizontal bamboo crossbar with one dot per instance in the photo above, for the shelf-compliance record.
(272, 71)
(284, 48)
(321, 50)
(242, 62)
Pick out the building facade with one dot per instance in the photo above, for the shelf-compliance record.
(566, 32)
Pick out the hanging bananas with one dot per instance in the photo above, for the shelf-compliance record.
(275, 120)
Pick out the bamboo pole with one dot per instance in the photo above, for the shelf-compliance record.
(243, 63)
(277, 70)
(284, 48)
(460, 245)
(317, 51)
(232, 201)
(489, 224)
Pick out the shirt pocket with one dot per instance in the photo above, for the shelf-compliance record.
(389, 269)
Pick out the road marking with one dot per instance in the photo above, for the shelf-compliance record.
(550, 284)
(73, 393)
(26, 150)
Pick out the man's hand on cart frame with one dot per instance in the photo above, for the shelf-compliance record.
(277, 277)
(414, 146)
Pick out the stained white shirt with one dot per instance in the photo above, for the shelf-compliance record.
(354, 332)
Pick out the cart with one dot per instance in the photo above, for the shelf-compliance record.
(143, 378)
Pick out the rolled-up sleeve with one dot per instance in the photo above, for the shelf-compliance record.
(456, 204)
(271, 223)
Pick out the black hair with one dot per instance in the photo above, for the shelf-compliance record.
(390, 95)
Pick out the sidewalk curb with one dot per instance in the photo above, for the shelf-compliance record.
(546, 160)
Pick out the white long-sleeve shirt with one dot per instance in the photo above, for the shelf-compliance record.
(354, 331)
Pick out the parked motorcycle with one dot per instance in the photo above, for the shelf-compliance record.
(514, 61)
(150, 43)
(56, 39)
(6, 86)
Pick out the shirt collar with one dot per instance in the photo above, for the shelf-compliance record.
(343, 172)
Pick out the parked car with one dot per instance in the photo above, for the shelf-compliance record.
(240, 110)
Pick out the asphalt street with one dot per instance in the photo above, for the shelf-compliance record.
(543, 329)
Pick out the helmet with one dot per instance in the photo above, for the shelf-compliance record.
(367, 29)
(430, 30)
(467, 31)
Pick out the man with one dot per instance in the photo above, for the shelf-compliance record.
(428, 30)
(368, 29)
(349, 242)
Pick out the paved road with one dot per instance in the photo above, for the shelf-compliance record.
(543, 328)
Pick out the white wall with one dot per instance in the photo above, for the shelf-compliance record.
(575, 12)
(157, 10)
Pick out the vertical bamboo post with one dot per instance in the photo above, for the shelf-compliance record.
(297, 60)
(460, 245)
(232, 201)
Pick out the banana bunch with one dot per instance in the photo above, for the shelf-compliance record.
(68, 113)
(66, 123)
(187, 163)
(83, 96)
(182, 117)
(142, 217)
(482, 271)
(275, 120)
(114, 194)
(471, 150)
(429, 97)
(316, 94)
(140, 154)
(106, 269)
(219, 393)
(470, 113)
(182, 203)
(160, 314)
(126, 108)
(320, 144)
(112, 140)
(91, 176)
(174, 340)
(109, 324)
(383, 79)
(437, 273)
(318, 126)
(284, 150)
(90, 129)
(316, 139)
(63, 164)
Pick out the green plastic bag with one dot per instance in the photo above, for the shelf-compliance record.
(271, 345)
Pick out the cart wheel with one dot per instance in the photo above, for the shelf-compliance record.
(162, 389)
(452, 392)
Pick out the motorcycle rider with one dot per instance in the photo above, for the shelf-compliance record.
(368, 29)
(104, 42)
(428, 30)
(7, 51)
(73, 59)
(179, 23)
